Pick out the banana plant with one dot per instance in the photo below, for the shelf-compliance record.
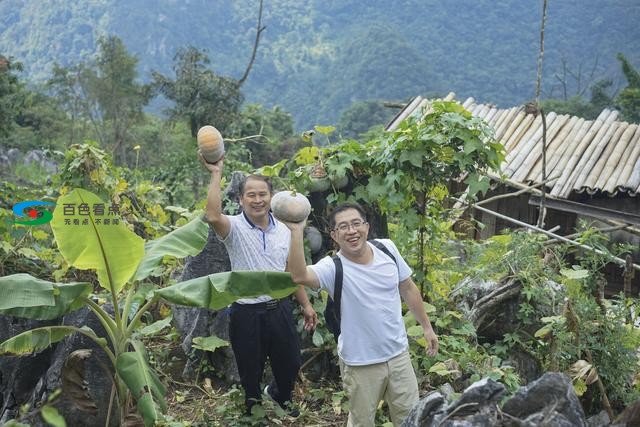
(122, 262)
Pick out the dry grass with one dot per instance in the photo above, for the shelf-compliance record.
(210, 402)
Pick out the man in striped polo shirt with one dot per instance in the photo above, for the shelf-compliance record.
(259, 327)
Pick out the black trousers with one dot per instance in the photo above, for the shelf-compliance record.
(258, 331)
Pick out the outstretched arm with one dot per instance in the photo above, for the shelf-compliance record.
(214, 216)
(411, 296)
(296, 263)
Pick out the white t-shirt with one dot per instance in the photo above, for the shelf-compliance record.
(251, 248)
(371, 329)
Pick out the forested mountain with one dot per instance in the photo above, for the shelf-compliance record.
(317, 57)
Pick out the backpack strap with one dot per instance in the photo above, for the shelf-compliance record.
(337, 295)
(378, 244)
(337, 289)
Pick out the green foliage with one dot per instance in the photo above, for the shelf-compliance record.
(266, 134)
(201, 96)
(24, 296)
(187, 240)
(149, 392)
(575, 106)
(11, 94)
(316, 59)
(110, 249)
(360, 116)
(105, 94)
(209, 343)
(218, 290)
(116, 253)
(120, 99)
(629, 97)
(52, 416)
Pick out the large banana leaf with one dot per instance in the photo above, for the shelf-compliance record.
(144, 384)
(38, 339)
(218, 290)
(181, 242)
(22, 295)
(112, 249)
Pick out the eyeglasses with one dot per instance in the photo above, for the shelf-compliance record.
(354, 224)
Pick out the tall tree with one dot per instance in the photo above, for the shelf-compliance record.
(67, 85)
(201, 97)
(105, 93)
(629, 98)
(11, 94)
(119, 96)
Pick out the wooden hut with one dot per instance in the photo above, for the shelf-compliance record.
(594, 167)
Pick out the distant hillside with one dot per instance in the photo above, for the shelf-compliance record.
(317, 57)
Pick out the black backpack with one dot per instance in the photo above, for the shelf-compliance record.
(332, 311)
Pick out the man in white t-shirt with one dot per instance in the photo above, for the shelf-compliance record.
(260, 327)
(373, 345)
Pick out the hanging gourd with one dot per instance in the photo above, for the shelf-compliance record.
(319, 179)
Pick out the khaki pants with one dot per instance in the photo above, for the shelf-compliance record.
(394, 381)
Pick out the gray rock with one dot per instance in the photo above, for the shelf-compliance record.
(32, 379)
(14, 155)
(19, 375)
(98, 372)
(551, 393)
(447, 391)
(33, 156)
(4, 161)
(476, 396)
(198, 322)
(549, 401)
(429, 410)
(599, 420)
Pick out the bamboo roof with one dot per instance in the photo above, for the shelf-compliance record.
(593, 156)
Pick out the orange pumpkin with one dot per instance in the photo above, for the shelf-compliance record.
(210, 143)
(290, 206)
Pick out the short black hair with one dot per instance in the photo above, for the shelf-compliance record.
(343, 207)
(257, 178)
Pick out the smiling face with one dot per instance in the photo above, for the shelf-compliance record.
(256, 200)
(350, 233)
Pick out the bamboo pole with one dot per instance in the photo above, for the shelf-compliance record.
(599, 230)
(491, 115)
(404, 113)
(600, 127)
(598, 147)
(543, 210)
(612, 182)
(551, 124)
(600, 166)
(611, 168)
(504, 122)
(517, 130)
(527, 189)
(630, 228)
(555, 143)
(615, 259)
(634, 180)
(514, 157)
(468, 102)
(574, 152)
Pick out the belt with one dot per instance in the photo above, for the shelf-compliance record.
(267, 305)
